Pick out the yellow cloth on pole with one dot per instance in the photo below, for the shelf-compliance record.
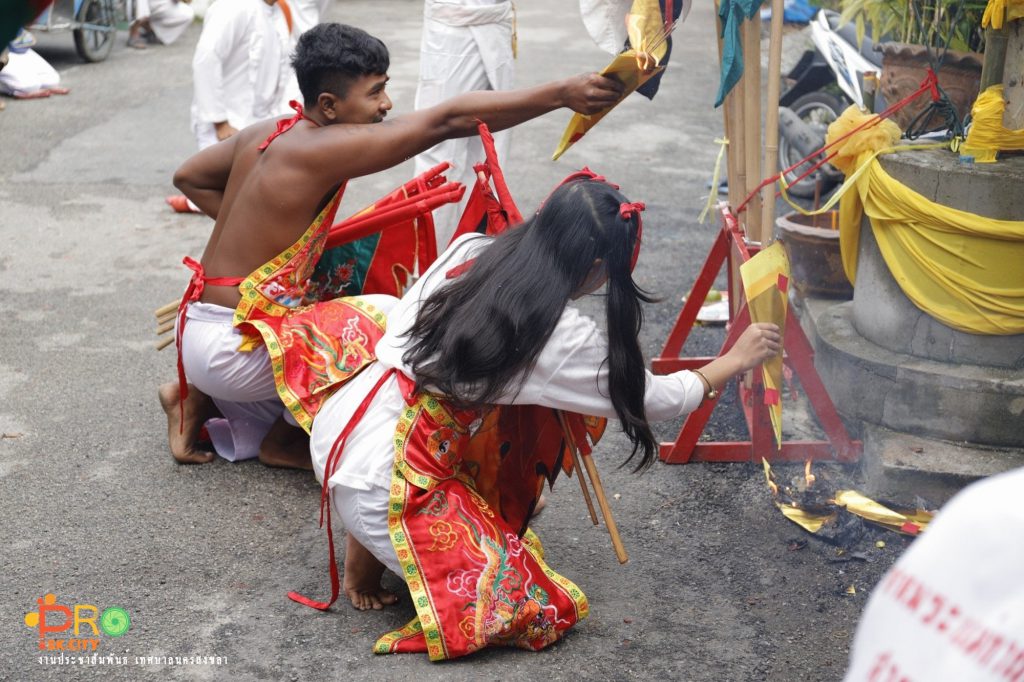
(987, 135)
(766, 283)
(961, 268)
(998, 11)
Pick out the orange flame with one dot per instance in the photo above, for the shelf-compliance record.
(808, 476)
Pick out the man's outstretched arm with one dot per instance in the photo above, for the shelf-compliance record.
(203, 177)
(349, 151)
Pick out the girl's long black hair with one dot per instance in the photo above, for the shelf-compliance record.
(475, 339)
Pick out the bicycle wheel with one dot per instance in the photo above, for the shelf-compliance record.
(95, 36)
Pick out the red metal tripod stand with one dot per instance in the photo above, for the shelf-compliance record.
(729, 249)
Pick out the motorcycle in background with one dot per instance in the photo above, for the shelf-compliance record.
(826, 80)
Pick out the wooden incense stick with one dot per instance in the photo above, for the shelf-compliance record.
(170, 307)
(771, 121)
(602, 501)
(577, 467)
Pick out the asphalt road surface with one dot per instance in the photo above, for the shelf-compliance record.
(95, 511)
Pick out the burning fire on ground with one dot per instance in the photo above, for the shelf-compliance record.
(837, 516)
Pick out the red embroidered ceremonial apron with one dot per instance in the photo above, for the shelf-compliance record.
(475, 572)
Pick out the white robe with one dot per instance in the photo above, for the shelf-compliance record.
(306, 14)
(27, 72)
(466, 46)
(168, 19)
(952, 607)
(240, 68)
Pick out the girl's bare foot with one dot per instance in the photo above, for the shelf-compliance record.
(539, 507)
(182, 433)
(362, 578)
(287, 447)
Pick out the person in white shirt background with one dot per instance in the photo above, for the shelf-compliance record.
(466, 45)
(240, 72)
(162, 20)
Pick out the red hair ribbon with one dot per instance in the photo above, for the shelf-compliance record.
(582, 174)
(626, 211)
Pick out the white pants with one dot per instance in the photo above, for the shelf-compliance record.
(455, 60)
(364, 514)
(27, 72)
(240, 384)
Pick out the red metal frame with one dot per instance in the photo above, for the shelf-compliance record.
(730, 248)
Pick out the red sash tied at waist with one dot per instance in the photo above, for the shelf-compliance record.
(193, 293)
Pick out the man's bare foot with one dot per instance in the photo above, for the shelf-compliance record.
(182, 434)
(362, 578)
(286, 446)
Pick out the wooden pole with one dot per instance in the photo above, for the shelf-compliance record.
(606, 511)
(602, 501)
(752, 121)
(737, 113)
(160, 345)
(729, 127)
(577, 467)
(995, 56)
(771, 121)
(1013, 69)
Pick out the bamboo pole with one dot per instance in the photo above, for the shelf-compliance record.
(771, 121)
(752, 121)
(728, 128)
(738, 127)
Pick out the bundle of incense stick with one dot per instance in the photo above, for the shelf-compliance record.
(165, 316)
(595, 481)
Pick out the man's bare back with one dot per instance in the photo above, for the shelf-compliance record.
(268, 204)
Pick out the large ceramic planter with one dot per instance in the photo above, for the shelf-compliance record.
(812, 244)
(905, 66)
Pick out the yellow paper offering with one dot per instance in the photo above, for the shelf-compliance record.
(766, 283)
(624, 68)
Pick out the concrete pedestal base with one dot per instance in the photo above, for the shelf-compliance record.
(935, 407)
(928, 427)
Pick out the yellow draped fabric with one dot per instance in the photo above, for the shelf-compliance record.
(987, 135)
(998, 11)
(960, 268)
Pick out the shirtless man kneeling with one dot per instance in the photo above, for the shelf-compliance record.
(265, 197)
